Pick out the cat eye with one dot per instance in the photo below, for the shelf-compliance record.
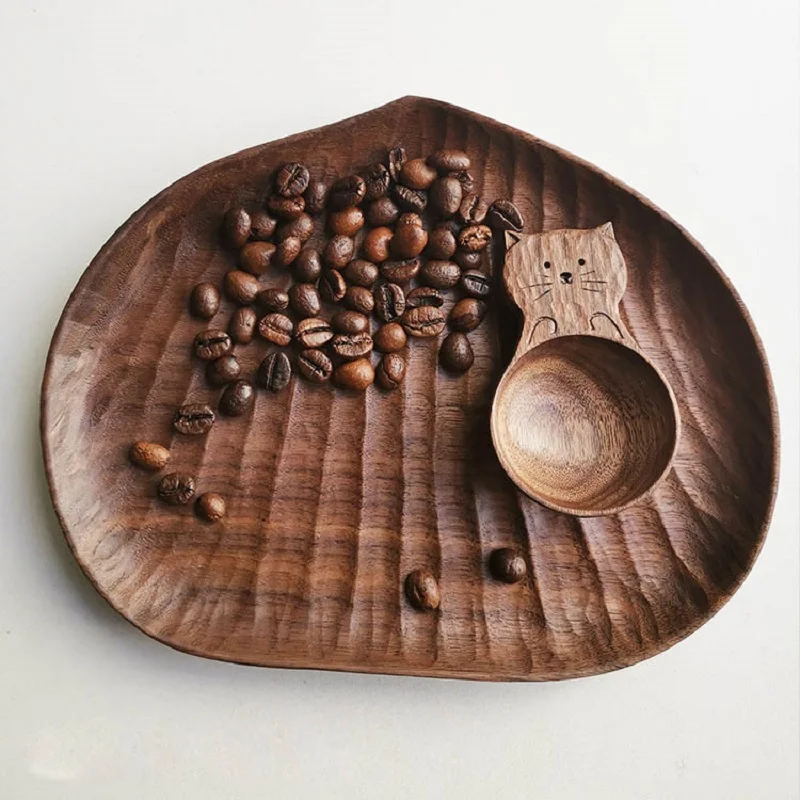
(581, 261)
(547, 265)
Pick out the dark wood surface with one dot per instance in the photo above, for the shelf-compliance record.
(335, 497)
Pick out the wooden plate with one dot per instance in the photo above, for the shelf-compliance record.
(334, 497)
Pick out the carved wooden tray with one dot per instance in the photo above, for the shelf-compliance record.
(334, 497)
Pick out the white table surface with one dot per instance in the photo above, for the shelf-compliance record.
(103, 103)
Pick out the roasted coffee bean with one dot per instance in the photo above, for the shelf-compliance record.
(465, 179)
(316, 196)
(287, 251)
(359, 298)
(301, 228)
(314, 366)
(242, 327)
(391, 371)
(445, 198)
(193, 419)
(409, 219)
(466, 314)
(360, 272)
(355, 375)
(313, 333)
(176, 489)
(440, 274)
(237, 398)
(377, 243)
(400, 271)
(416, 174)
(350, 322)
(376, 178)
(441, 243)
(505, 216)
(211, 506)
(423, 322)
(236, 227)
(262, 225)
(397, 159)
(472, 210)
(508, 565)
(474, 238)
(449, 160)
(347, 222)
(410, 199)
(291, 180)
(274, 372)
(304, 299)
(223, 370)
(390, 302)
(346, 192)
(390, 338)
(408, 240)
(270, 300)
(476, 284)
(211, 344)
(255, 257)
(307, 267)
(338, 252)
(286, 207)
(424, 296)
(455, 354)
(241, 287)
(422, 590)
(149, 455)
(382, 212)
(276, 328)
(204, 301)
(332, 286)
(467, 260)
(351, 345)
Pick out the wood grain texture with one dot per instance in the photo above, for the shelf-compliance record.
(325, 519)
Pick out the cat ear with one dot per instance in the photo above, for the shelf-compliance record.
(606, 229)
(512, 239)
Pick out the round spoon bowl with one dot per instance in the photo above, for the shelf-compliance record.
(584, 425)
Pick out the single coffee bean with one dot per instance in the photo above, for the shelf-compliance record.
(346, 192)
(416, 174)
(316, 196)
(314, 366)
(449, 160)
(291, 180)
(422, 590)
(211, 344)
(287, 251)
(465, 179)
(445, 197)
(376, 244)
(382, 212)
(476, 284)
(505, 216)
(423, 322)
(338, 252)
(391, 371)
(410, 199)
(301, 228)
(241, 287)
(274, 372)
(472, 210)
(347, 222)
(313, 333)
(470, 261)
(276, 328)
(441, 243)
(424, 296)
(474, 238)
(236, 227)
(176, 489)
(360, 272)
(224, 370)
(390, 301)
(351, 345)
(440, 274)
(255, 257)
(149, 455)
(408, 240)
(270, 300)
(359, 298)
(400, 271)
(304, 299)
(508, 565)
(376, 178)
(242, 327)
(466, 314)
(390, 338)
(350, 322)
(286, 207)
(397, 159)
(262, 225)
(193, 419)
(455, 354)
(410, 219)
(307, 267)
(204, 301)
(355, 375)
(332, 286)
(212, 506)
(237, 398)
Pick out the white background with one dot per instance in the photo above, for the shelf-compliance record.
(102, 104)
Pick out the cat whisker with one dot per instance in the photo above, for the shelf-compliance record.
(546, 291)
(593, 291)
(532, 285)
(595, 281)
(587, 273)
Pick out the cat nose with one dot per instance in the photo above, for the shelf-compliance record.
(566, 277)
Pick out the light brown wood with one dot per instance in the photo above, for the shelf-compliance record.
(334, 497)
(583, 423)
